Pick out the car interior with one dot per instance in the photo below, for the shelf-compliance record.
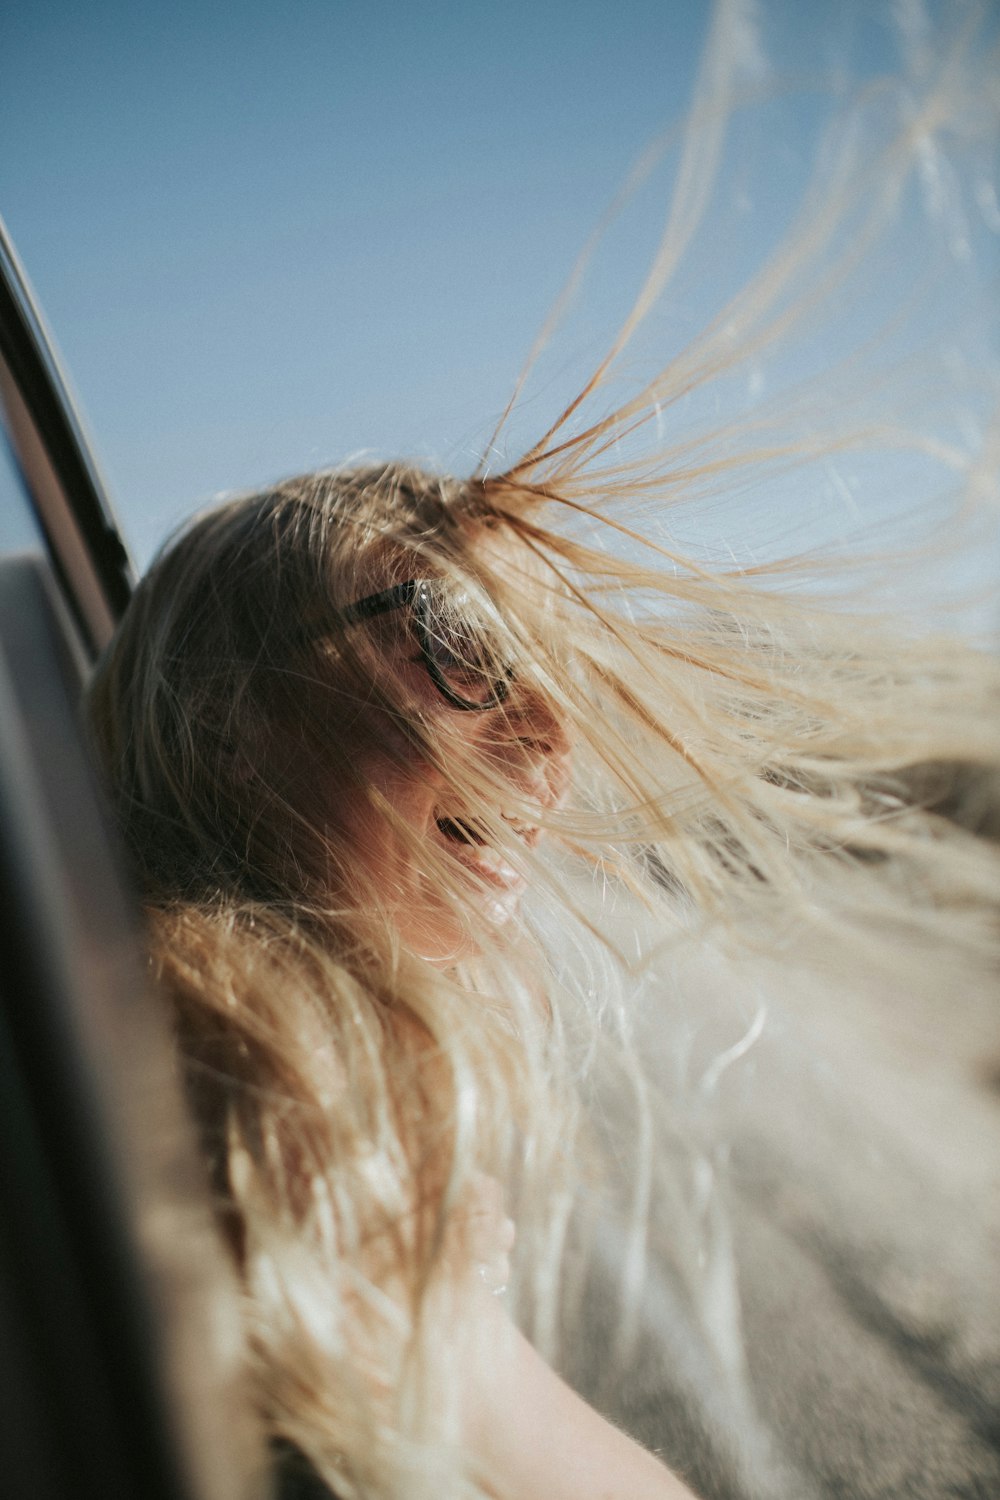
(121, 1372)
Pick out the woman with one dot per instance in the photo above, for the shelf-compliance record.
(422, 777)
(340, 719)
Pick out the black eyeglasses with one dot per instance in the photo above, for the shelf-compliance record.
(458, 645)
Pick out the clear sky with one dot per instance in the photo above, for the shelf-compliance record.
(270, 237)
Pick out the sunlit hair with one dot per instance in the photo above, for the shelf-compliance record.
(751, 759)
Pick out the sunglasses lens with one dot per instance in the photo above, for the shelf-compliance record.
(462, 648)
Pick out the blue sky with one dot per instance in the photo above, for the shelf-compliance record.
(268, 238)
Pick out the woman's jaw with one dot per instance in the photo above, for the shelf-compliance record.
(459, 877)
(496, 884)
(464, 872)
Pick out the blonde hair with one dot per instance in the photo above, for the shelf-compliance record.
(750, 759)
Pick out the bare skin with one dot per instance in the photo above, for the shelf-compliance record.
(529, 1433)
(533, 1437)
(536, 1438)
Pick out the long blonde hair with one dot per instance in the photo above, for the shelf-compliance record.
(752, 759)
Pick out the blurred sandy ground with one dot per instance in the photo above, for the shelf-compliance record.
(850, 1123)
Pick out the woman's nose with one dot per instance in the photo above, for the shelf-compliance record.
(535, 722)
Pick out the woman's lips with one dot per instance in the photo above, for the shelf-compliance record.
(464, 831)
(486, 862)
(459, 831)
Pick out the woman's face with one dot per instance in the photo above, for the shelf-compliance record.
(520, 743)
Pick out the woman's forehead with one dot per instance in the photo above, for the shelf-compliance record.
(491, 554)
(505, 555)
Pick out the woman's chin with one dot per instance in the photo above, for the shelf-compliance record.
(501, 907)
(442, 939)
